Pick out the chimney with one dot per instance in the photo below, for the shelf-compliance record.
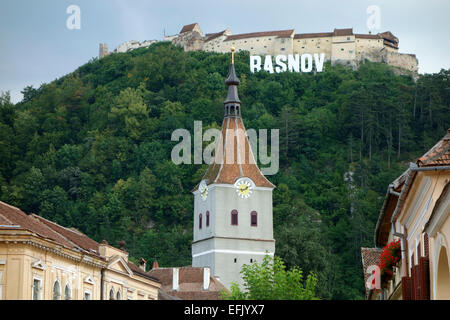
(175, 279)
(206, 278)
(142, 264)
(155, 265)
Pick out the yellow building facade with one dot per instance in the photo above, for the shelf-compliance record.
(416, 212)
(41, 260)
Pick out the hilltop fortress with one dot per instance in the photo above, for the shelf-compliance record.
(341, 46)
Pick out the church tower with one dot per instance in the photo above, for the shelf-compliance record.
(233, 220)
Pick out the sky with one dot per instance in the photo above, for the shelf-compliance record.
(36, 46)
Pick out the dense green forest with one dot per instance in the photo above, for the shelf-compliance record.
(92, 149)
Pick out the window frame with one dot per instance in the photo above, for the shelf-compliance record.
(234, 217)
(58, 291)
(255, 215)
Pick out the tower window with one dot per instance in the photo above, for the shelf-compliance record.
(207, 218)
(254, 219)
(235, 260)
(200, 221)
(234, 218)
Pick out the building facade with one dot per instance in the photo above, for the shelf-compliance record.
(416, 213)
(233, 221)
(41, 260)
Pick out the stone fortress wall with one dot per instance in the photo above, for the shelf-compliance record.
(339, 46)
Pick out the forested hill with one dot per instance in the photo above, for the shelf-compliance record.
(92, 150)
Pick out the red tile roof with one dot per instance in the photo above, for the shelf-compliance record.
(222, 170)
(190, 283)
(188, 27)
(343, 32)
(370, 257)
(278, 34)
(69, 238)
(313, 35)
(211, 36)
(438, 155)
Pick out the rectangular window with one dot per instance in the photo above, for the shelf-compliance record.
(87, 295)
(254, 219)
(234, 218)
(36, 289)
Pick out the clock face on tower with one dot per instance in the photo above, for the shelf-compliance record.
(244, 187)
(203, 190)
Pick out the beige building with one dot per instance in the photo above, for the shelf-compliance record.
(41, 260)
(340, 46)
(416, 212)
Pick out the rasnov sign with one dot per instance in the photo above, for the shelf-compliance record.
(291, 62)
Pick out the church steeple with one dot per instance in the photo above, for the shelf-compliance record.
(232, 102)
(234, 157)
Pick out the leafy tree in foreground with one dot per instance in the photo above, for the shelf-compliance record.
(271, 281)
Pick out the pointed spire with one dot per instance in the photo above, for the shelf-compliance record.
(232, 101)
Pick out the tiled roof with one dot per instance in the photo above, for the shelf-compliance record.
(388, 36)
(370, 257)
(69, 238)
(211, 36)
(15, 216)
(279, 34)
(438, 155)
(190, 283)
(313, 35)
(141, 272)
(234, 140)
(343, 32)
(75, 236)
(188, 27)
(367, 36)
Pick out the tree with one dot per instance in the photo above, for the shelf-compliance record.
(271, 281)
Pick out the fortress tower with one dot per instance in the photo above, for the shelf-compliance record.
(233, 221)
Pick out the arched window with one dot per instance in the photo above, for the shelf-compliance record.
(111, 294)
(207, 218)
(254, 219)
(234, 218)
(56, 290)
(67, 293)
(118, 296)
(200, 221)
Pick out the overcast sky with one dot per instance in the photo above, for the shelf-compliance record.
(37, 47)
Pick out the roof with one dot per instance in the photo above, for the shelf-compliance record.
(233, 154)
(15, 217)
(367, 36)
(190, 284)
(278, 34)
(313, 35)
(211, 36)
(370, 257)
(343, 32)
(438, 155)
(73, 235)
(12, 217)
(188, 27)
(389, 36)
